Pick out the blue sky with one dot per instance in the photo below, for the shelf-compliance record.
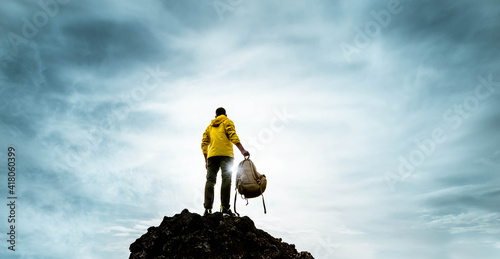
(376, 122)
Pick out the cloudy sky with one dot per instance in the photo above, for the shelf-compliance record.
(375, 122)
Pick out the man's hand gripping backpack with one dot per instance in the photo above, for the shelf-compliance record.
(249, 183)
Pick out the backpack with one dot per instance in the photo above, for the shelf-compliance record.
(249, 183)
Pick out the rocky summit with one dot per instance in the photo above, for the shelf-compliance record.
(190, 235)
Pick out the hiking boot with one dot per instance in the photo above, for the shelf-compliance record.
(207, 212)
(226, 211)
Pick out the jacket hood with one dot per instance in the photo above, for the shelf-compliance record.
(217, 121)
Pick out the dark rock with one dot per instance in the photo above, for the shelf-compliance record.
(189, 235)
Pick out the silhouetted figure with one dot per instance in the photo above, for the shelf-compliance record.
(217, 147)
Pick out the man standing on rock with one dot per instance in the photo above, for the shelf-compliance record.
(217, 147)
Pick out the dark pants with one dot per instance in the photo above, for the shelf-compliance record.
(213, 164)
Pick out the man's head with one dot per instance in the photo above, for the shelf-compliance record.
(220, 111)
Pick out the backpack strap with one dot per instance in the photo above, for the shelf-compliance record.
(263, 202)
(260, 186)
(236, 187)
(235, 196)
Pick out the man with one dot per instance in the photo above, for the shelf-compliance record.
(217, 147)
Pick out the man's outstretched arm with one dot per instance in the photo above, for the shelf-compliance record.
(231, 133)
(243, 151)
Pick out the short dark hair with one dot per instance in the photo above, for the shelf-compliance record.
(220, 111)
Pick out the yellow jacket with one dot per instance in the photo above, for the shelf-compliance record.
(219, 137)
